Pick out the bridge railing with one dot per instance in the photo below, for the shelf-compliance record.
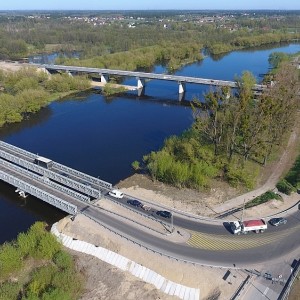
(52, 175)
(32, 190)
(83, 176)
(46, 181)
(58, 166)
(17, 149)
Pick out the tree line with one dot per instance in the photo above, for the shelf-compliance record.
(234, 133)
(20, 36)
(27, 90)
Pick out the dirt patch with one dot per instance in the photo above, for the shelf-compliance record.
(11, 66)
(200, 203)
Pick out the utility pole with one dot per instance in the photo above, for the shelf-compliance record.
(243, 211)
(172, 226)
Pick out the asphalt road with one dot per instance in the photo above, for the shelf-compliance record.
(215, 249)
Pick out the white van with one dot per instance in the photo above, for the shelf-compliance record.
(116, 194)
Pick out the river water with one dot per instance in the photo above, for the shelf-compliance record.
(103, 136)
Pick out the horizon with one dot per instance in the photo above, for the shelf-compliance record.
(119, 5)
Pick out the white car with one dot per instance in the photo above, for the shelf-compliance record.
(116, 194)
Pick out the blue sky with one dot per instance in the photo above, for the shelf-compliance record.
(147, 4)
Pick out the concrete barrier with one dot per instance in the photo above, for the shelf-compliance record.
(165, 285)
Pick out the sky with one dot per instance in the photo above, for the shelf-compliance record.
(147, 4)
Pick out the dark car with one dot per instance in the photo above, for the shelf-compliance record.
(164, 214)
(134, 203)
(278, 221)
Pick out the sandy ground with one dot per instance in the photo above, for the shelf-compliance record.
(11, 66)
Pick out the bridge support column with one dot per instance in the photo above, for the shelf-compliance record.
(140, 83)
(44, 70)
(181, 89)
(181, 96)
(141, 91)
(103, 78)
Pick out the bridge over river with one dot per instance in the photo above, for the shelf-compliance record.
(142, 77)
(54, 183)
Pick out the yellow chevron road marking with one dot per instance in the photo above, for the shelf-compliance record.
(228, 242)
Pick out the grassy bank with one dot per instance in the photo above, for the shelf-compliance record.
(27, 91)
(34, 266)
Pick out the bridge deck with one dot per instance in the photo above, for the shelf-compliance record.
(61, 186)
(143, 75)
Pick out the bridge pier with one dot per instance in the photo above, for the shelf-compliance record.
(181, 89)
(181, 96)
(44, 70)
(140, 83)
(141, 91)
(103, 78)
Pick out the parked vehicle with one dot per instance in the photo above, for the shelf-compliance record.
(134, 203)
(164, 214)
(146, 207)
(116, 194)
(278, 221)
(256, 226)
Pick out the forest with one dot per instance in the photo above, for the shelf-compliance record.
(23, 35)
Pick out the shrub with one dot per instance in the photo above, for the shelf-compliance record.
(9, 290)
(26, 243)
(285, 187)
(10, 260)
(135, 165)
(47, 246)
(293, 176)
(262, 199)
(63, 260)
(40, 280)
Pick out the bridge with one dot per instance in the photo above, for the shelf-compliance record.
(142, 77)
(54, 183)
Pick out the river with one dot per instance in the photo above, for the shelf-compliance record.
(103, 136)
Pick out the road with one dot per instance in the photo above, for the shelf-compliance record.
(213, 244)
(211, 241)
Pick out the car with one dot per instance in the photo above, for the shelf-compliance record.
(278, 221)
(164, 214)
(116, 194)
(134, 203)
(146, 207)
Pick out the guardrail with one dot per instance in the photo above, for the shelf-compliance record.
(138, 212)
(286, 290)
(152, 249)
(44, 196)
(128, 219)
(203, 218)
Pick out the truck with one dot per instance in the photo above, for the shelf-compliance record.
(244, 227)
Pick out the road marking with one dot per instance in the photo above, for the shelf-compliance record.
(216, 242)
(266, 291)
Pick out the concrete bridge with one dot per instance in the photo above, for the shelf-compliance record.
(54, 183)
(141, 77)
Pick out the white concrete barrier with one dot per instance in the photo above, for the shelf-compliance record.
(166, 286)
